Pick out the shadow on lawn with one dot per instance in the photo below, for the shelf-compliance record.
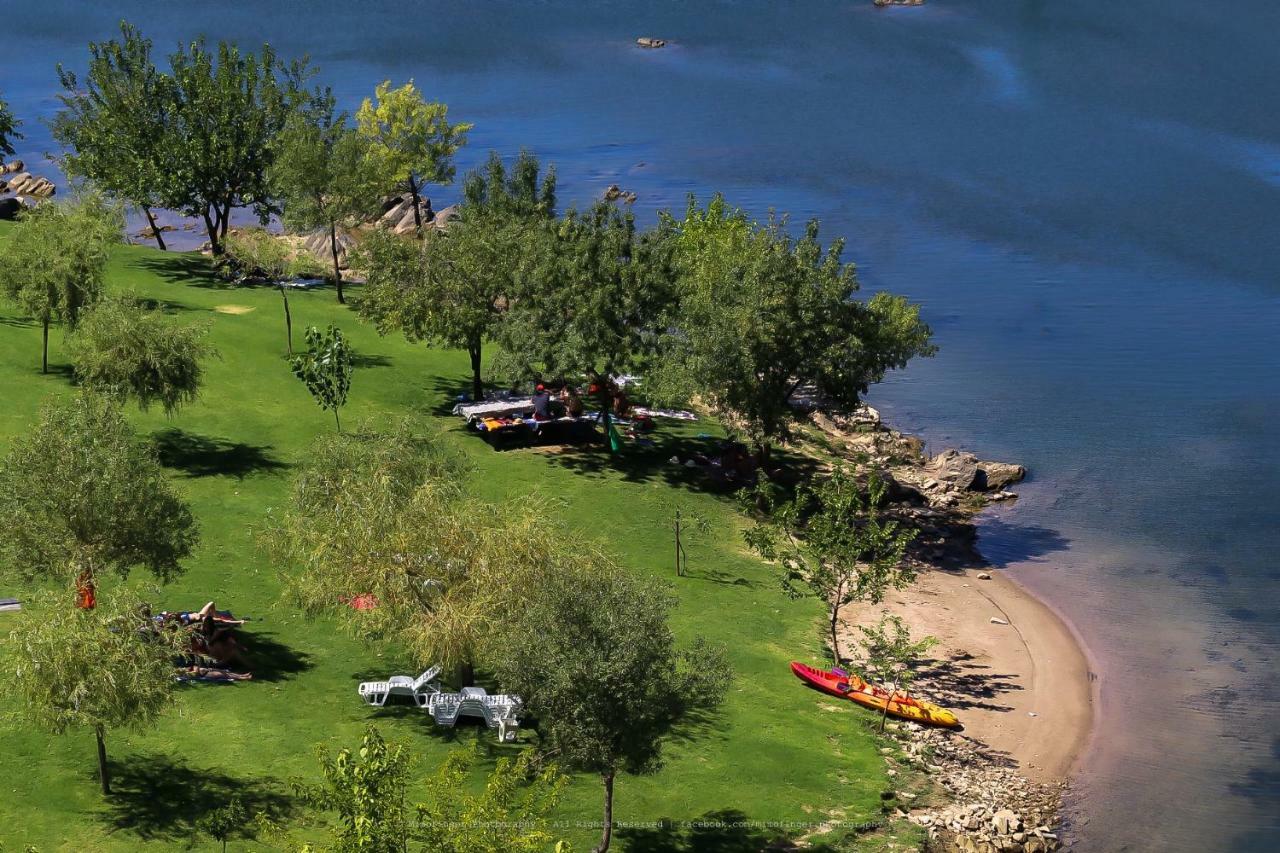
(184, 268)
(719, 831)
(205, 456)
(161, 798)
(270, 660)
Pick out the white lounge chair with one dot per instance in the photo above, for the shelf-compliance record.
(421, 689)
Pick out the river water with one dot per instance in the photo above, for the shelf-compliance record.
(1085, 196)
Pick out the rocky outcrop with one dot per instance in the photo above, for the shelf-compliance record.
(316, 244)
(965, 472)
(650, 42)
(27, 184)
(613, 193)
(993, 809)
(10, 208)
(899, 2)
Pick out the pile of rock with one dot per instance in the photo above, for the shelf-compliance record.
(397, 214)
(994, 810)
(614, 192)
(21, 189)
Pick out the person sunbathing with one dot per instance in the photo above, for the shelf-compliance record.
(208, 673)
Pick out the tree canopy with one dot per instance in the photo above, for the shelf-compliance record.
(99, 669)
(411, 138)
(8, 127)
(591, 653)
(117, 123)
(55, 259)
(124, 350)
(324, 176)
(761, 314)
(229, 108)
(80, 493)
(889, 655)
(325, 368)
(833, 544)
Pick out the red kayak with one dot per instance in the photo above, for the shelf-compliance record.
(851, 687)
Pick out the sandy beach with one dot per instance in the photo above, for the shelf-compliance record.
(1024, 689)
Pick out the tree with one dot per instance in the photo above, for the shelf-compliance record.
(761, 315)
(833, 544)
(257, 253)
(449, 290)
(118, 124)
(411, 139)
(890, 654)
(55, 260)
(591, 654)
(380, 518)
(507, 816)
(454, 289)
(326, 368)
(100, 669)
(229, 108)
(8, 128)
(324, 175)
(596, 300)
(81, 495)
(123, 350)
(368, 790)
(221, 823)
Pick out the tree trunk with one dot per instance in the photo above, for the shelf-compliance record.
(103, 773)
(466, 674)
(417, 214)
(335, 418)
(885, 716)
(606, 832)
(288, 320)
(224, 219)
(44, 353)
(477, 387)
(763, 453)
(835, 634)
(215, 245)
(155, 229)
(337, 273)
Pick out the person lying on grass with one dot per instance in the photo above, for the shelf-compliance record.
(209, 673)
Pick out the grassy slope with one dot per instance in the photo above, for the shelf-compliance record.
(773, 753)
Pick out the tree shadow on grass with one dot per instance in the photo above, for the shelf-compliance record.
(269, 659)
(719, 831)
(205, 456)
(360, 359)
(158, 797)
(190, 268)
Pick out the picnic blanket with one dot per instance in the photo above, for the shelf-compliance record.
(494, 408)
(676, 414)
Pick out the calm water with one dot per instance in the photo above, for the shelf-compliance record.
(1086, 198)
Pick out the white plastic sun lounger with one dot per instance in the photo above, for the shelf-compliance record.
(377, 693)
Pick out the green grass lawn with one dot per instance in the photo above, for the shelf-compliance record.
(772, 754)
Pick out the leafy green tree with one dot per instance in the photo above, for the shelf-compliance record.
(454, 289)
(99, 669)
(55, 259)
(381, 518)
(761, 315)
(449, 290)
(833, 544)
(325, 368)
(593, 657)
(8, 128)
(221, 824)
(367, 789)
(257, 253)
(889, 656)
(411, 139)
(229, 108)
(325, 176)
(595, 300)
(124, 350)
(80, 494)
(507, 816)
(117, 123)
